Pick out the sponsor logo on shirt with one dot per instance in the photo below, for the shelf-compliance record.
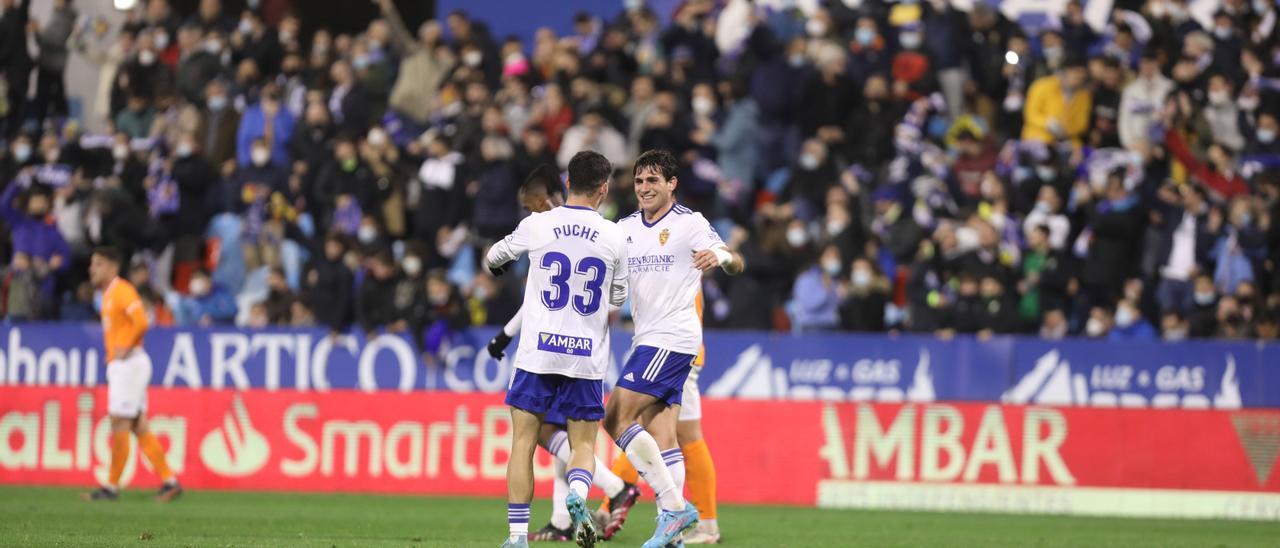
(564, 344)
(651, 263)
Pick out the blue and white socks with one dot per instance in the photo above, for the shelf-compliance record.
(642, 450)
(674, 459)
(604, 478)
(579, 481)
(518, 520)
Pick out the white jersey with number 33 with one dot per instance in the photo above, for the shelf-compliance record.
(577, 268)
(664, 282)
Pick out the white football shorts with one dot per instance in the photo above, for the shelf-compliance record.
(127, 380)
(691, 400)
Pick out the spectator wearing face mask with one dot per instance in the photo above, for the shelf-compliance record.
(348, 102)
(40, 253)
(215, 126)
(864, 302)
(813, 173)
(1130, 326)
(1226, 45)
(1174, 327)
(496, 207)
(1231, 319)
(21, 154)
(268, 121)
(1240, 248)
(1262, 142)
(1185, 242)
(1099, 323)
(870, 51)
(1110, 255)
(910, 67)
(206, 304)
(814, 298)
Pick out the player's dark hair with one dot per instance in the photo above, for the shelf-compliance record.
(109, 253)
(587, 171)
(545, 177)
(658, 159)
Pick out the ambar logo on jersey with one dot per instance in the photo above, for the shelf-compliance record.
(564, 344)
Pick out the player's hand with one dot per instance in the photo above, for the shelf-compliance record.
(705, 260)
(499, 270)
(708, 259)
(498, 345)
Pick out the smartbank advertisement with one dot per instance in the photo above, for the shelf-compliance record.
(926, 456)
(747, 365)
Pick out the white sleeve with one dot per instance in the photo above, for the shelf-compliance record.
(621, 277)
(513, 325)
(510, 248)
(705, 235)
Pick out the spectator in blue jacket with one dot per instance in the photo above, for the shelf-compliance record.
(207, 304)
(1130, 326)
(814, 299)
(35, 237)
(265, 120)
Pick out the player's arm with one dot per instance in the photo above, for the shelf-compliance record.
(620, 285)
(498, 345)
(508, 249)
(711, 252)
(723, 257)
(138, 323)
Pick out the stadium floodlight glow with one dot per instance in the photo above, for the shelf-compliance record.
(125, 5)
(1011, 57)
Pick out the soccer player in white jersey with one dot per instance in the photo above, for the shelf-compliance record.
(578, 269)
(669, 247)
(542, 191)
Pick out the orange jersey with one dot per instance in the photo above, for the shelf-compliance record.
(124, 318)
(701, 358)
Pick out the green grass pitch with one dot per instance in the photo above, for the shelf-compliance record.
(33, 516)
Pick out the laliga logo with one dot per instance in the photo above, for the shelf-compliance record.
(236, 449)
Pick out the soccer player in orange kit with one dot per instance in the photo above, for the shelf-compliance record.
(124, 322)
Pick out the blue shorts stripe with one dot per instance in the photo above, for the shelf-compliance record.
(655, 366)
(657, 358)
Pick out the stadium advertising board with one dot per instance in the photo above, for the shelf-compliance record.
(927, 456)
(748, 365)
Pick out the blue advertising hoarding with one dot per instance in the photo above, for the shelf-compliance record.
(740, 364)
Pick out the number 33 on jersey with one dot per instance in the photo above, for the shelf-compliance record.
(578, 260)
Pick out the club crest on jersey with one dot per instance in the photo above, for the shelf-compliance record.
(663, 236)
(564, 344)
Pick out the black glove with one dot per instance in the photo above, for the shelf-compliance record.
(499, 344)
(498, 271)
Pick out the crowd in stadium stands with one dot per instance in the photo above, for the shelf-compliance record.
(900, 166)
